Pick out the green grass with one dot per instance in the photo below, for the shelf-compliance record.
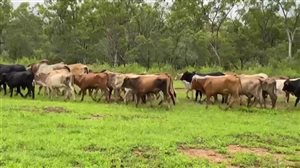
(90, 134)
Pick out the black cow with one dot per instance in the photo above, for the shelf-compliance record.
(188, 77)
(23, 79)
(8, 69)
(292, 87)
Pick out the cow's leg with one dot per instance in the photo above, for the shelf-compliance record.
(232, 100)
(66, 91)
(274, 99)
(11, 89)
(52, 92)
(40, 88)
(126, 97)
(144, 99)
(168, 99)
(287, 96)
(32, 92)
(297, 101)
(138, 97)
(196, 95)
(200, 94)
(216, 98)
(109, 93)
(207, 100)
(187, 93)
(72, 93)
(248, 101)
(4, 88)
(83, 92)
(172, 97)
(19, 91)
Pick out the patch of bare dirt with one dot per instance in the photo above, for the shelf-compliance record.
(56, 109)
(232, 149)
(145, 152)
(216, 157)
(94, 117)
(208, 154)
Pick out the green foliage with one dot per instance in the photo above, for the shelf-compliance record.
(232, 34)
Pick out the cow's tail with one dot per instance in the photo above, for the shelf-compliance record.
(172, 91)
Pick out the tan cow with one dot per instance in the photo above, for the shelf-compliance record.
(251, 87)
(228, 85)
(269, 88)
(60, 79)
(41, 71)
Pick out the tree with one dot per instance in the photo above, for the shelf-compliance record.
(291, 13)
(5, 16)
(216, 13)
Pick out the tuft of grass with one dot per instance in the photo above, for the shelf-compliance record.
(246, 160)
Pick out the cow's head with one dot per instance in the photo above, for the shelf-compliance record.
(268, 84)
(287, 87)
(3, 77)
(44, 61)
(86, 70)
(187, 76)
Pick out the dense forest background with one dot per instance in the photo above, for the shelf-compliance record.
(232, 34)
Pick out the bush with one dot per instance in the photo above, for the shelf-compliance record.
(275, 68)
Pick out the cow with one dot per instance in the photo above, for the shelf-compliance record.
(269, 87)
(251, 87)
(19, 80)
(150, 96)
(187, 78)
(279, 88)
(93, 81)
(147, 84)
(60, 79)
(42, 69)
(293, 87)
(228, 85)
(8, 69)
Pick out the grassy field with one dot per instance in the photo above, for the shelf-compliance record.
(43, 133)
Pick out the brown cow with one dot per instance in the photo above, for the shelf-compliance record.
(228, 85)
(147, 84)
(97, 81)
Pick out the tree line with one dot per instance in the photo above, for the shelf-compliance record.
(233, 34)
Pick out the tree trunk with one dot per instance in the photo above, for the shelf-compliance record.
(148, 60)
(115, 57)
(290, 48)
(290, 39)
(216, 53)
(1, 43)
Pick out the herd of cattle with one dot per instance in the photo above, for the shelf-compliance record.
(62, 79)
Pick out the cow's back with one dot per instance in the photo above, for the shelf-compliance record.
(223, 85)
